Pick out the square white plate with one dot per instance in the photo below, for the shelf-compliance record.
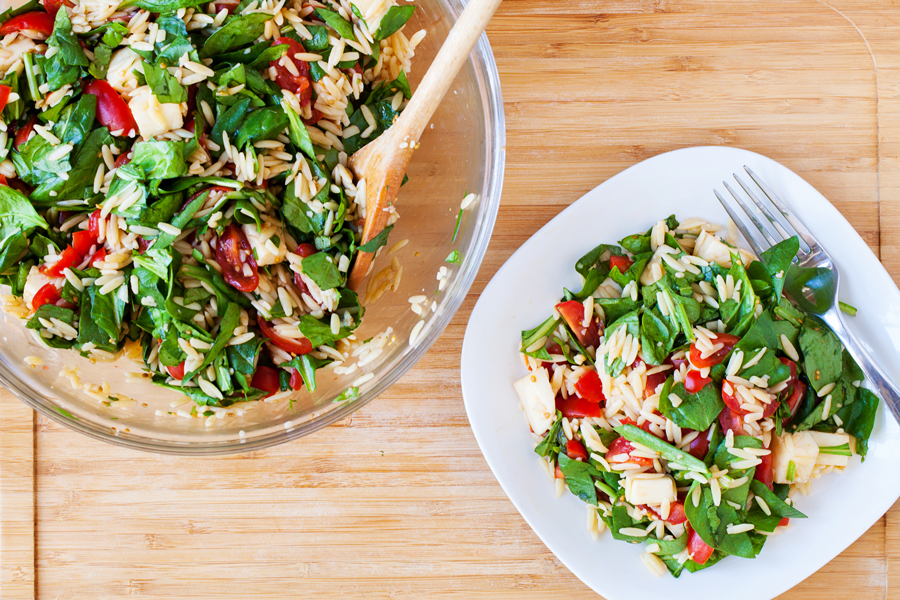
(841, 506)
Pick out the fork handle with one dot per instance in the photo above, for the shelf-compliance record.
(884, 387)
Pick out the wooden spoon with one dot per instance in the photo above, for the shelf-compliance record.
(383, 162)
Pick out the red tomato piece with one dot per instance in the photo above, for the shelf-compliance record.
(68, 259)
(579, 408)
(303, 250)
(623, 263)
(38, 22)
(294, 346)
(123, 159)
(732, 402)
(784, 522)
(797, 393)
(731, 421)
(573, 312)
(94, 224)
(765, 472)
(298, 82)
(233, 252)
(99, 256)
(645, 425)
(177, 371)
(576, 450)
(590, 387)
(48, 294)
(5, 91)
(24, 133)
(314, 118)
(228, 5)
(53, 6)
(558, 472)
(82, 242)
(729, 342)
(3, 180)
(697, 548)
(296, 380)
(622, 446)
(699, 446)
(112, 111)
(676, 513)
(693, 382)
(266, 379)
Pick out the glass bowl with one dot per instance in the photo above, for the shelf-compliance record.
(462, 151)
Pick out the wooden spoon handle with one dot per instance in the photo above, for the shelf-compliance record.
(449, 60)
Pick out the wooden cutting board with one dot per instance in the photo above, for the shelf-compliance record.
(396, 501)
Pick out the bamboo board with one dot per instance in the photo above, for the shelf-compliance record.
(396, 501)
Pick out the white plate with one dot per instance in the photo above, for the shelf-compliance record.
(841, 507)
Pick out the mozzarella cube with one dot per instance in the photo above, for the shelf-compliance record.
(13, 52)
(824, 440)
(652, 491)
(34, 282)
(120, 73)
(153, 118)
(538, 399)
(710, 248)
(797, 448)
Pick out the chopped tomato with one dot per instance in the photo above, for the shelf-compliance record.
(573, 312)
(558, 472)
(3, 180)
(590, 387)
(294, 346)
(94, 224)
(123, 159)
(653, 382)
(99, 256)
(676, 513)
(48, 294)
(623, 263)
(53, 6)
(577, 408)
(228, 5)
(298, 82)
(266, 379)
(645, 425)
(82, 242)
(699, 446)
(314, 118)
(784, 522)
(765, 471)
(732, 402)
(552, 349)
(303, 250)
(697, 548)
(37, 21)
(675, 362)
(731, 421)
(5, 91)
(233, 253)
(296, 380)
(576, 450)
(622, 446)
(693, 382)
(112, 111)
(728, 342)
(177, 371)
(68, 259)
(24, 132)
(797, 393)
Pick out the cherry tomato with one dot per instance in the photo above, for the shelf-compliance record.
(729, 342)
(622, 446)
(5, 91)
(676, 513)
(67, 259)
(623, 263)
(112, 111)
(573, 312)
(299, 83)
(765, 473)
(82, 242)
(693, 382)
(699, 446)
(266, 379)
(303, 250)
(675, 362)
(578, 408)
(697, 548)
(731, 421)
(590, 387)
(94, 224)
(38, 22)
(797, 393)
(177, 371)
(24, 133)
(294, 346)
(123, 159)
(296, 380)
(228, 5)
(553, 348)
(3, 180)
(232, 253)
(645, 425)
(99, 256)
(784, 522)
(53, 6)
(653, 382)
(733, 402)
(558, 472)
(314, 118)
(576, 450)
(48, 294)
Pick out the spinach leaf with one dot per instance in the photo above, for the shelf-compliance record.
(696, 411)
(49, 311)
(620, 519)
(777, 261)
(321, 269)
(80, 181)
(859, 418)
(725, 460)
(63, 67)
(164, 240)
(396, 17)
(230, 319)
(775, 504)
(160, 160)
(633, 433)
(18, 220)
(821, 353)
(164, 85)
(298, 133)
(308, 365)
(711, 523)
(550, 445)
(160, 6)
(656, 338)
(261, 124)
(239, 32)
(378, 241)
(319, 332)
(578, 478)
(338, 23)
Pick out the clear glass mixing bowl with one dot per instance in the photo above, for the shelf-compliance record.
(463, 151)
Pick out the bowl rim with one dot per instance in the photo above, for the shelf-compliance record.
(488, 81)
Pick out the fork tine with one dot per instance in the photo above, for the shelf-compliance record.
(752, 214)
(805, 236)
(764, 210)
(739, 223)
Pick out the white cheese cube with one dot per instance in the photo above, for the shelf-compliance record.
(710, 248)
(797, 448)
(653, 491)
(120, 73)
(153, 118)
(538, 399)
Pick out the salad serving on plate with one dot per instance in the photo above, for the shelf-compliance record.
(686, 399)
(175, 183)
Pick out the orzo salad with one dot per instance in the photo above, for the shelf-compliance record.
(174, 181)
(685, 398)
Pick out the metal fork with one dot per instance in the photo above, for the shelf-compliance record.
(812, 255)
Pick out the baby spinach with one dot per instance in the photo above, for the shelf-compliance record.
(319, 332)
(307, 365)
(395, 18)
(579, 478)
(378, 241)
(696, 411)
(338, 23)
(236, 33)
(321, 269)
(18, 219)
(164, 85)
(667, 451)
(821, 352)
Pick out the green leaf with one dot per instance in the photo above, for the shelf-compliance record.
(378, 241)
(777, 260)
(725, 460)
(308, 365)
(859, 418)
(298, 133)
(656, 339)
(550, 446)
(160, 6)
(164, 240)
(261, 124)
(230, 121)
(348, 394)
(578, 478)
(821, 352)
(160, 160)
(338, 23)
(396, 17)
(696, 411)
(319, 332)
(321, 269)
(633, 433)
(237, 33)
(164, 85)
(17, 220)
(454, 258)
(711, 523)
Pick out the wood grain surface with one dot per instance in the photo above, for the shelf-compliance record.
(396, 501)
